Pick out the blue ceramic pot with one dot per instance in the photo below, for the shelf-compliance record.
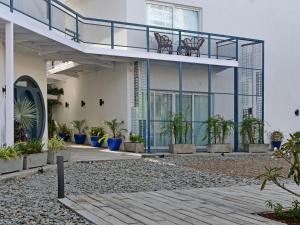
(114, 143)
(94, 141)
(276, 144)
(64, 136)
(80, 138)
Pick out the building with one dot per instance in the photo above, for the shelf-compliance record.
(105, 56)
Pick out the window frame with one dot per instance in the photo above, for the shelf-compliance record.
(177, 6)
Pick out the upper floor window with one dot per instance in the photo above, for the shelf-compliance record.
(165, 15)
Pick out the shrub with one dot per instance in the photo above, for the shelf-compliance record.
(56, 144)
(252, 130)
(63, 128)
(135, 138)
(30, 147)
(96, 131)
(8, 153)
(116, 128)
(277, 136)
(79, 126)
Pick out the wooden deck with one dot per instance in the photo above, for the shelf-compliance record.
(214, 206)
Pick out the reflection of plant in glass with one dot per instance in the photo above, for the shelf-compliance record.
(24, 118)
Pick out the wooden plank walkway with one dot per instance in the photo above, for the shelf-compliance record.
(213, 206)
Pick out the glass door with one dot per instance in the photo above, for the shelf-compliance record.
(200, 116)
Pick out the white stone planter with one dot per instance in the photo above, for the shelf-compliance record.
(12, 165)
(35, 160)
(182, 148)
(219, 148)
(52, 156)
(257, 148)
(134, 147)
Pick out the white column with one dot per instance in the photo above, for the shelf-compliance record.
(9, 71)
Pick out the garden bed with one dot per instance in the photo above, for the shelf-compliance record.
(287, 221)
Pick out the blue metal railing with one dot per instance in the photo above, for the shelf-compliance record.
(111, 33)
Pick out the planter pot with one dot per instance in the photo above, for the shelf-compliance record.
(219, 148)
(134, 147)
(257, 148)
(35, 160)
(12, 165)
(114, 143)
(79, 139)
(52, 156)
(94, 141)
(182, 148)
(64, 136)
(276, 144)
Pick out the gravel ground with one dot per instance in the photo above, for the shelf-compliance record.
(33, 200)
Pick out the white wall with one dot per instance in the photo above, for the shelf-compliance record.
(24, 65)
(109, 85)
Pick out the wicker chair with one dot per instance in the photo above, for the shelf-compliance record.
(163, 43)
(193, 45)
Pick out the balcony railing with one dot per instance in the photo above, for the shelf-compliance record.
(122, 35)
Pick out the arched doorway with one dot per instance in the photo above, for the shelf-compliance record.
(27, 87)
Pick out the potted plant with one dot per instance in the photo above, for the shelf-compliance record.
(96, 133)
(64, 131)
(117, 130)
(24, 118)
(33, 153)
(179, 128)
(135, 144)
(11, 160)
(57, 147)
(252, 131)
(80, 127)
(218, 129)
(276, 139)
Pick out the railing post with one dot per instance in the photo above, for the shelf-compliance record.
(112, 35)
(50, 14)
(209, 46)
(77, 28)
(148, 38)
(180, 38)
(148, 63)
(11, 5)
(60, 177)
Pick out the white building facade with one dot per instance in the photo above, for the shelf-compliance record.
(247, 63)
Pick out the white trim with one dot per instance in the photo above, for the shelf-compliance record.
(9, 70)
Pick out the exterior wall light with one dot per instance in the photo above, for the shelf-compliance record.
(101, 102)
(67, 104)
(297, 112)
(4, 90)
(82, 103)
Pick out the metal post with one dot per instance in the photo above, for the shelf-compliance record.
(60, 177)
(209, 97)
(77, 28)
(50, 14)
(148, 106)
(148, 39)
(180, 47)
(112, 35)
(209, 46)
(11, 4)
(236, 102)
(180, 97)
(263, 85)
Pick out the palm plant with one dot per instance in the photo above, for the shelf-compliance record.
(80, 126)
(252, 130)
(24, 117)
(116, 128)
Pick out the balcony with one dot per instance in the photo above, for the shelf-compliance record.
(122, 39)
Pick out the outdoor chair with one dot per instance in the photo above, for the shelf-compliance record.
(193, 45)
(164, 43)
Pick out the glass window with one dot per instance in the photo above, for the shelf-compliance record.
(172, 16)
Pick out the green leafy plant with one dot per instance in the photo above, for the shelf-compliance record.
(177, 127)
(79, 126)
(291, 213)
(135, 138)
(252, 130)
(116, 128)
(8, 153)
(96, 131)
(63, 128)
(24, 118)
(30, 147)
(218, 129)
(56, 144)
(277, 136)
